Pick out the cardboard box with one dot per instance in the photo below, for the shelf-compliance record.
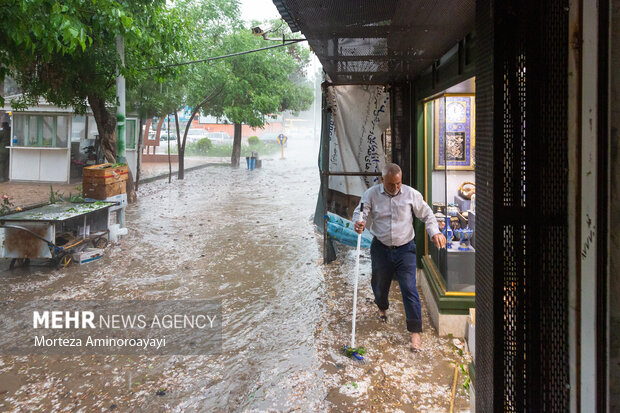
(105, 173)
(87, 255)
(102, 191)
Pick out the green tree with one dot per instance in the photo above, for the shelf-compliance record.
(209, 23)
(149, 98)
(262, 84)
(66, 52)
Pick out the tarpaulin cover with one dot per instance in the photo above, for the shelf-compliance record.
(360, 117)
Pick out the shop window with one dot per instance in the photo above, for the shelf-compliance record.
(130, 134)
(62, 131)
(78, 126)
(450, 143)
(20, 130)
(33, 131)
(49, 133)
(83, 135)
(40, 130)
(93, 132)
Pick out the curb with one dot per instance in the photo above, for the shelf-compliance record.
(165, 175)
(142, 181)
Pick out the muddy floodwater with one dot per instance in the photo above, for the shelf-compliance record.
(245, 238)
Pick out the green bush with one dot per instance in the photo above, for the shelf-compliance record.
(253, 140)
(224, 151)
(203, 146)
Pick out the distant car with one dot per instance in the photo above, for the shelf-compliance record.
(195, 134)
(164, 137)
(220, 138)
(272, 138)
(163, 141)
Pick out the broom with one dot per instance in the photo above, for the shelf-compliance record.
(355, 353)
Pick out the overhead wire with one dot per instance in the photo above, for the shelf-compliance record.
(210, 59)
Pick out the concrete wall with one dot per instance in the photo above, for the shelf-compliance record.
(445, 324)
(246, 131)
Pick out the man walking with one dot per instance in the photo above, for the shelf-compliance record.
(391, 207)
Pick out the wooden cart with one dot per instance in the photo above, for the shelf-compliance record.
(54, 231)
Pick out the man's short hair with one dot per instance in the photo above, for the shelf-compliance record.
(391, 169)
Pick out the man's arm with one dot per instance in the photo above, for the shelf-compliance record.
(425, 214)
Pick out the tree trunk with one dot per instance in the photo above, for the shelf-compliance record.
(180, 150)
(169, 158)
(181, 143)
(141, 138)
(236, 152)
(106, 126)
(131, 190)
(158, 133)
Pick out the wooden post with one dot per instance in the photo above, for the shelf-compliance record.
(329, 254)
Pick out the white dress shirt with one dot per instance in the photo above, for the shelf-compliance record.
(391, 217)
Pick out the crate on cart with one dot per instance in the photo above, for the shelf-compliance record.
(102, 191)
(105, 180)
(106, 173)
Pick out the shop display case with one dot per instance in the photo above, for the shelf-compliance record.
(450, 186)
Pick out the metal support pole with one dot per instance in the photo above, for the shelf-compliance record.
(328, 251)
(354, 173)
(120, 109)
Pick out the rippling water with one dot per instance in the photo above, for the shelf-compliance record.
(243, 237)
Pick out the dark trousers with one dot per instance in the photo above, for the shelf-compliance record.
(401, 261)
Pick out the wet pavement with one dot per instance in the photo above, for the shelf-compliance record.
(25, 194)
(152, 169)
(245, 238)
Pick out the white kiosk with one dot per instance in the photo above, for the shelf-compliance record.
(50, 144)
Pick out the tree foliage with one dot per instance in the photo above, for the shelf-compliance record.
(66, 51)
(262, 84)
(166, 88)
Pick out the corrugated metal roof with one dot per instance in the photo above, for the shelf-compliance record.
(378, 41)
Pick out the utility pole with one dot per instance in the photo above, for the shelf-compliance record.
(120, 109)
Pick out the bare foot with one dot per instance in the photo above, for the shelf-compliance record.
(416, 342)
(382, 316)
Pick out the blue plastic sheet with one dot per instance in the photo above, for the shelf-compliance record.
(341, 230)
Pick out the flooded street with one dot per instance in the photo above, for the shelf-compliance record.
(245, 238)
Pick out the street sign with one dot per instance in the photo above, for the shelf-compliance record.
(282, 141)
